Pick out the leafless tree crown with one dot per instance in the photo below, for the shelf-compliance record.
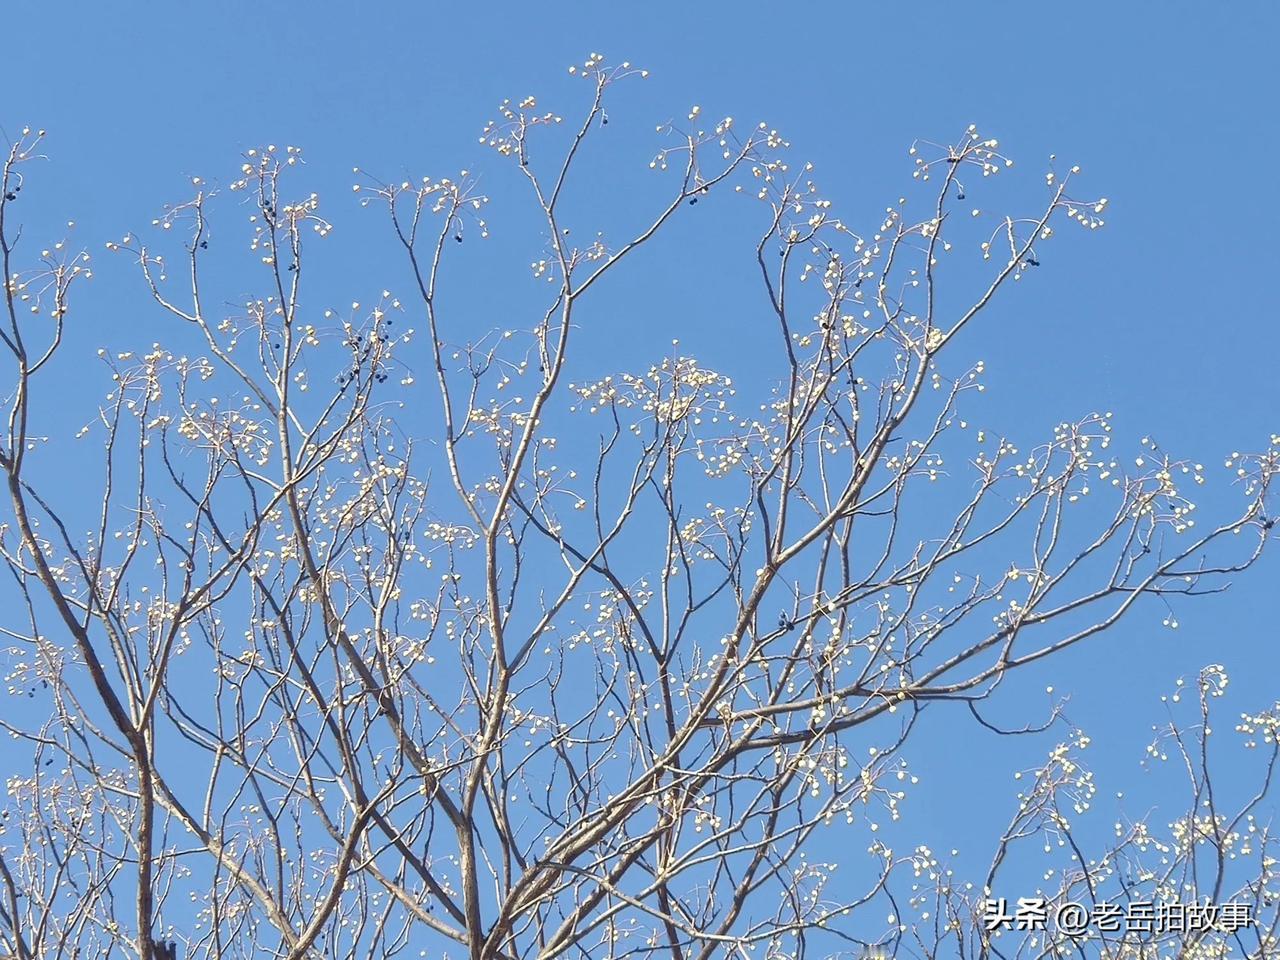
(400, 632)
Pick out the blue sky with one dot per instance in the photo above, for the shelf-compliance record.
(1166, 317)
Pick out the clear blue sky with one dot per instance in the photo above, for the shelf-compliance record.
(1168, 316)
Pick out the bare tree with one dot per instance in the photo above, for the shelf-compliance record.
(568, 661)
